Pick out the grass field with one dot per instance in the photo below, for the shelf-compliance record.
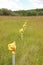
(29, 50)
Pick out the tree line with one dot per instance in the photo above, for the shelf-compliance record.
(34, 12)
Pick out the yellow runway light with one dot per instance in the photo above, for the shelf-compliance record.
(12, 47)
(21, 30)
(24, 25)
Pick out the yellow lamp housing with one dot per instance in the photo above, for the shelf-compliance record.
(21, 30)
(12, 47)
(24, 25)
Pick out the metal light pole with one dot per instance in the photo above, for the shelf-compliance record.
(24, 26)
(21, 31)
(13, 59)
(12, 47)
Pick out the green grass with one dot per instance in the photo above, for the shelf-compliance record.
(29, 50)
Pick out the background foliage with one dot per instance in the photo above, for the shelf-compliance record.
(34, 12)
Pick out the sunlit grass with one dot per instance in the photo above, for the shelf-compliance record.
(30, 49)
